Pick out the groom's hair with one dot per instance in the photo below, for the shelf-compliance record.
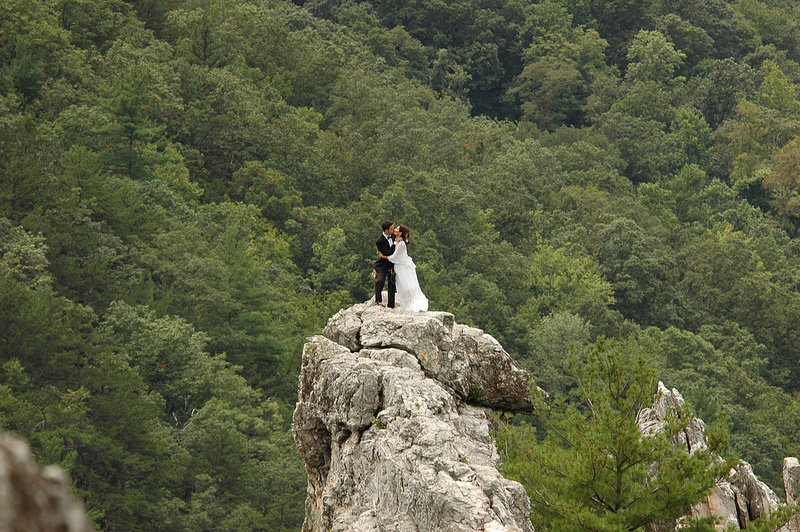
(387, 224)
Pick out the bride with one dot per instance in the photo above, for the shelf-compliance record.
(408, 291)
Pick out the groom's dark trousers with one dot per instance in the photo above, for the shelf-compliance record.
(383, 267)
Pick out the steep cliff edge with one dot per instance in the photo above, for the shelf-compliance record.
(392, 422)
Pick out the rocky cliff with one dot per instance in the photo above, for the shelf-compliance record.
(34, 500)
(392, 420)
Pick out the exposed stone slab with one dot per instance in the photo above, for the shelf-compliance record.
(467, 360)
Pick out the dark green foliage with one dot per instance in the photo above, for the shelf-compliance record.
(190, 188)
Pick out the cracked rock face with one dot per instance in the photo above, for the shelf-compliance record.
(392, 424)
(653, 419)
(467, 360)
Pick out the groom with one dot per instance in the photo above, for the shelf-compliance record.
(383, 267)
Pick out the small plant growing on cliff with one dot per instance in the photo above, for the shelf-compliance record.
(378, 423)
(476, 395)
(593, 469)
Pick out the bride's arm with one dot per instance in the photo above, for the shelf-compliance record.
(395, 256)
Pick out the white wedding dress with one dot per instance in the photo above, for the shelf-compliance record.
(409, 293)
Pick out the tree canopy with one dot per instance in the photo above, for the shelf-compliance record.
(189, 188)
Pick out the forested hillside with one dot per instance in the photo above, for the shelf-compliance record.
(189, 188)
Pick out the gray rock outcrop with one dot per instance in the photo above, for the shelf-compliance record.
(33, 499)
(735, 500)
(393, 425)
(791, 482)
(791, 478)
(666, 402)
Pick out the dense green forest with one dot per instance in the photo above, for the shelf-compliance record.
(189, 188)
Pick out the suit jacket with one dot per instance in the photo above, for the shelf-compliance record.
(386, 249)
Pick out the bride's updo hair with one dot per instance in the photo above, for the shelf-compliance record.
(405, 232)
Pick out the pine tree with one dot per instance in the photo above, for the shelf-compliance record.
(594, 469)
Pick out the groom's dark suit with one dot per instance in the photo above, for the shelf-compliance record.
(383, 267)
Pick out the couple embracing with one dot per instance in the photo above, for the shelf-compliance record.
(396, 267)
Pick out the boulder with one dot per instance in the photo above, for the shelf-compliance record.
(467, 360)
